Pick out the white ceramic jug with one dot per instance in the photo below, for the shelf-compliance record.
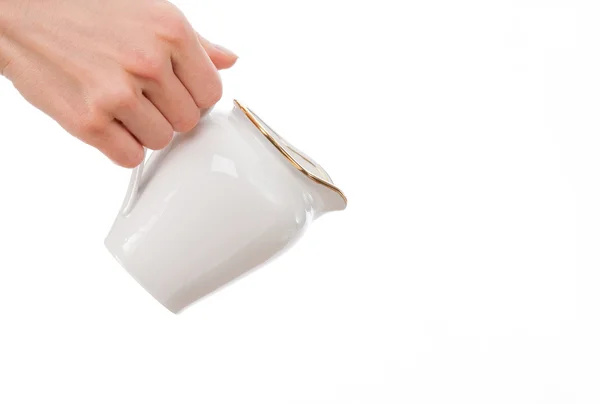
(216, 203)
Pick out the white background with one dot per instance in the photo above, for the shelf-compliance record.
(465, 269)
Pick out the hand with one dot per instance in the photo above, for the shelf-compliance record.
(117, 74)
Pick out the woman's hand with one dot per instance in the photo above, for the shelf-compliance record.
(117, 74)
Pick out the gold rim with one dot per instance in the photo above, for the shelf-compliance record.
(291, 159)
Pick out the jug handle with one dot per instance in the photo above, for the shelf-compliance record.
(136, 178)
(134, 186)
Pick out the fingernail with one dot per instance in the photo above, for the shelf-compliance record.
(225, 50)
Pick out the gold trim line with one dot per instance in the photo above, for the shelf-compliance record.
(291, 159)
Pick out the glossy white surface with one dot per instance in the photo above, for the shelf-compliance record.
(218, 202)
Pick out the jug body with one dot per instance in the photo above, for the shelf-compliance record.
(216, 203)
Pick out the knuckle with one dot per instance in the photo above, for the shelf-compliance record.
(176, 31)
(115, 98)
(173, 25)
(93, 122)
(122, 98)
(148, 65)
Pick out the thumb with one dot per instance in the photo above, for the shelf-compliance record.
(221, 57)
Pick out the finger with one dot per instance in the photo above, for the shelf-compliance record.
(221, 57)
(174, 102)
(197, 73)
(147, 124)
(116, 143)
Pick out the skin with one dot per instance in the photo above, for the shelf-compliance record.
(118, 75)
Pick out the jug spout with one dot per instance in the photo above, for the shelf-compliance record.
(324, 199)
(323, 195)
